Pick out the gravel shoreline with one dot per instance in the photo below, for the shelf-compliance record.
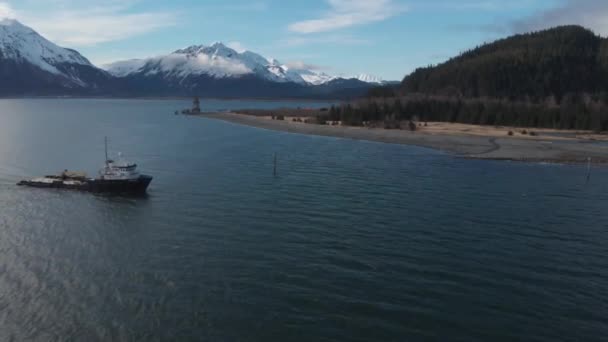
(542, 149)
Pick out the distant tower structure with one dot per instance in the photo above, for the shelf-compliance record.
(196, 105)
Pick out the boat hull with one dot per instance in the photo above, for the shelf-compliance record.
(133, 186)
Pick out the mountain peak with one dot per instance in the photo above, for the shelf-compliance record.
(219, 45)
(30, 61)
(216, 49)
(21, 43)
(189, 50)
(15, 26)
(10, 22)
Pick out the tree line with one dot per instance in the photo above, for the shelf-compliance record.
(574, 111)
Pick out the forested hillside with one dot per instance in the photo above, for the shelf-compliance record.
(556, 78)
(533, 66)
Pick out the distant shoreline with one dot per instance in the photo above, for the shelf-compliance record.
(161, 98)
(467, 142)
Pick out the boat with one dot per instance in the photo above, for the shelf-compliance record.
(116, 177)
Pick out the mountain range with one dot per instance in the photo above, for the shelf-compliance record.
(220, 61)
(31, 65)
(218, 70)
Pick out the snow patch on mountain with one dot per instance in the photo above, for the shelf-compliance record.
(21, 43)
(182, 65)
(216, 60)
(368, 78)
(123, 68)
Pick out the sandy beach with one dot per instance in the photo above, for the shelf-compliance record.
(468, 141)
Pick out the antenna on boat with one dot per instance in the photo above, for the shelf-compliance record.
(106, 145)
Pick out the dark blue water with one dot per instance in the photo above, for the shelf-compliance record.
(353, 241)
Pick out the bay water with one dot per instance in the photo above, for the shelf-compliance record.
(351, 241)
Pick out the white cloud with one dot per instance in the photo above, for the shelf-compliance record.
(300, 65)
(70, 23)
(331, 39)
(475, 5)
(237, 46)
(592, 14)
(257, 6)
(348, 13)
(6, 11)
(203, 63)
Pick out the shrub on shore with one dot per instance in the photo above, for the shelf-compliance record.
(412, 126)
(392, 124)
(322, 119)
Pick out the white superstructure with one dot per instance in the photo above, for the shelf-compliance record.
(119, 170)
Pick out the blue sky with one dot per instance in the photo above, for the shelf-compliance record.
(387, 38)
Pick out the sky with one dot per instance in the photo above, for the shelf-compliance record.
(385, 38)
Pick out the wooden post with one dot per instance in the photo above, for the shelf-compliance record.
(275, 165)
(588, 169)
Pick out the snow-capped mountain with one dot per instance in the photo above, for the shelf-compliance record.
(32, 60)
(31, 65)
(219, 61)
(18, 41)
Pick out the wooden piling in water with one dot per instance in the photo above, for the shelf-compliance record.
(588, 169)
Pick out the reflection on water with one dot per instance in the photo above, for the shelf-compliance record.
(352, 241)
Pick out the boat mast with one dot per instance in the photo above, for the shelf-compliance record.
(106, 144)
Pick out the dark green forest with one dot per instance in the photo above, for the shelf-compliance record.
(531, 67)
(557, 78)
(575, 112)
